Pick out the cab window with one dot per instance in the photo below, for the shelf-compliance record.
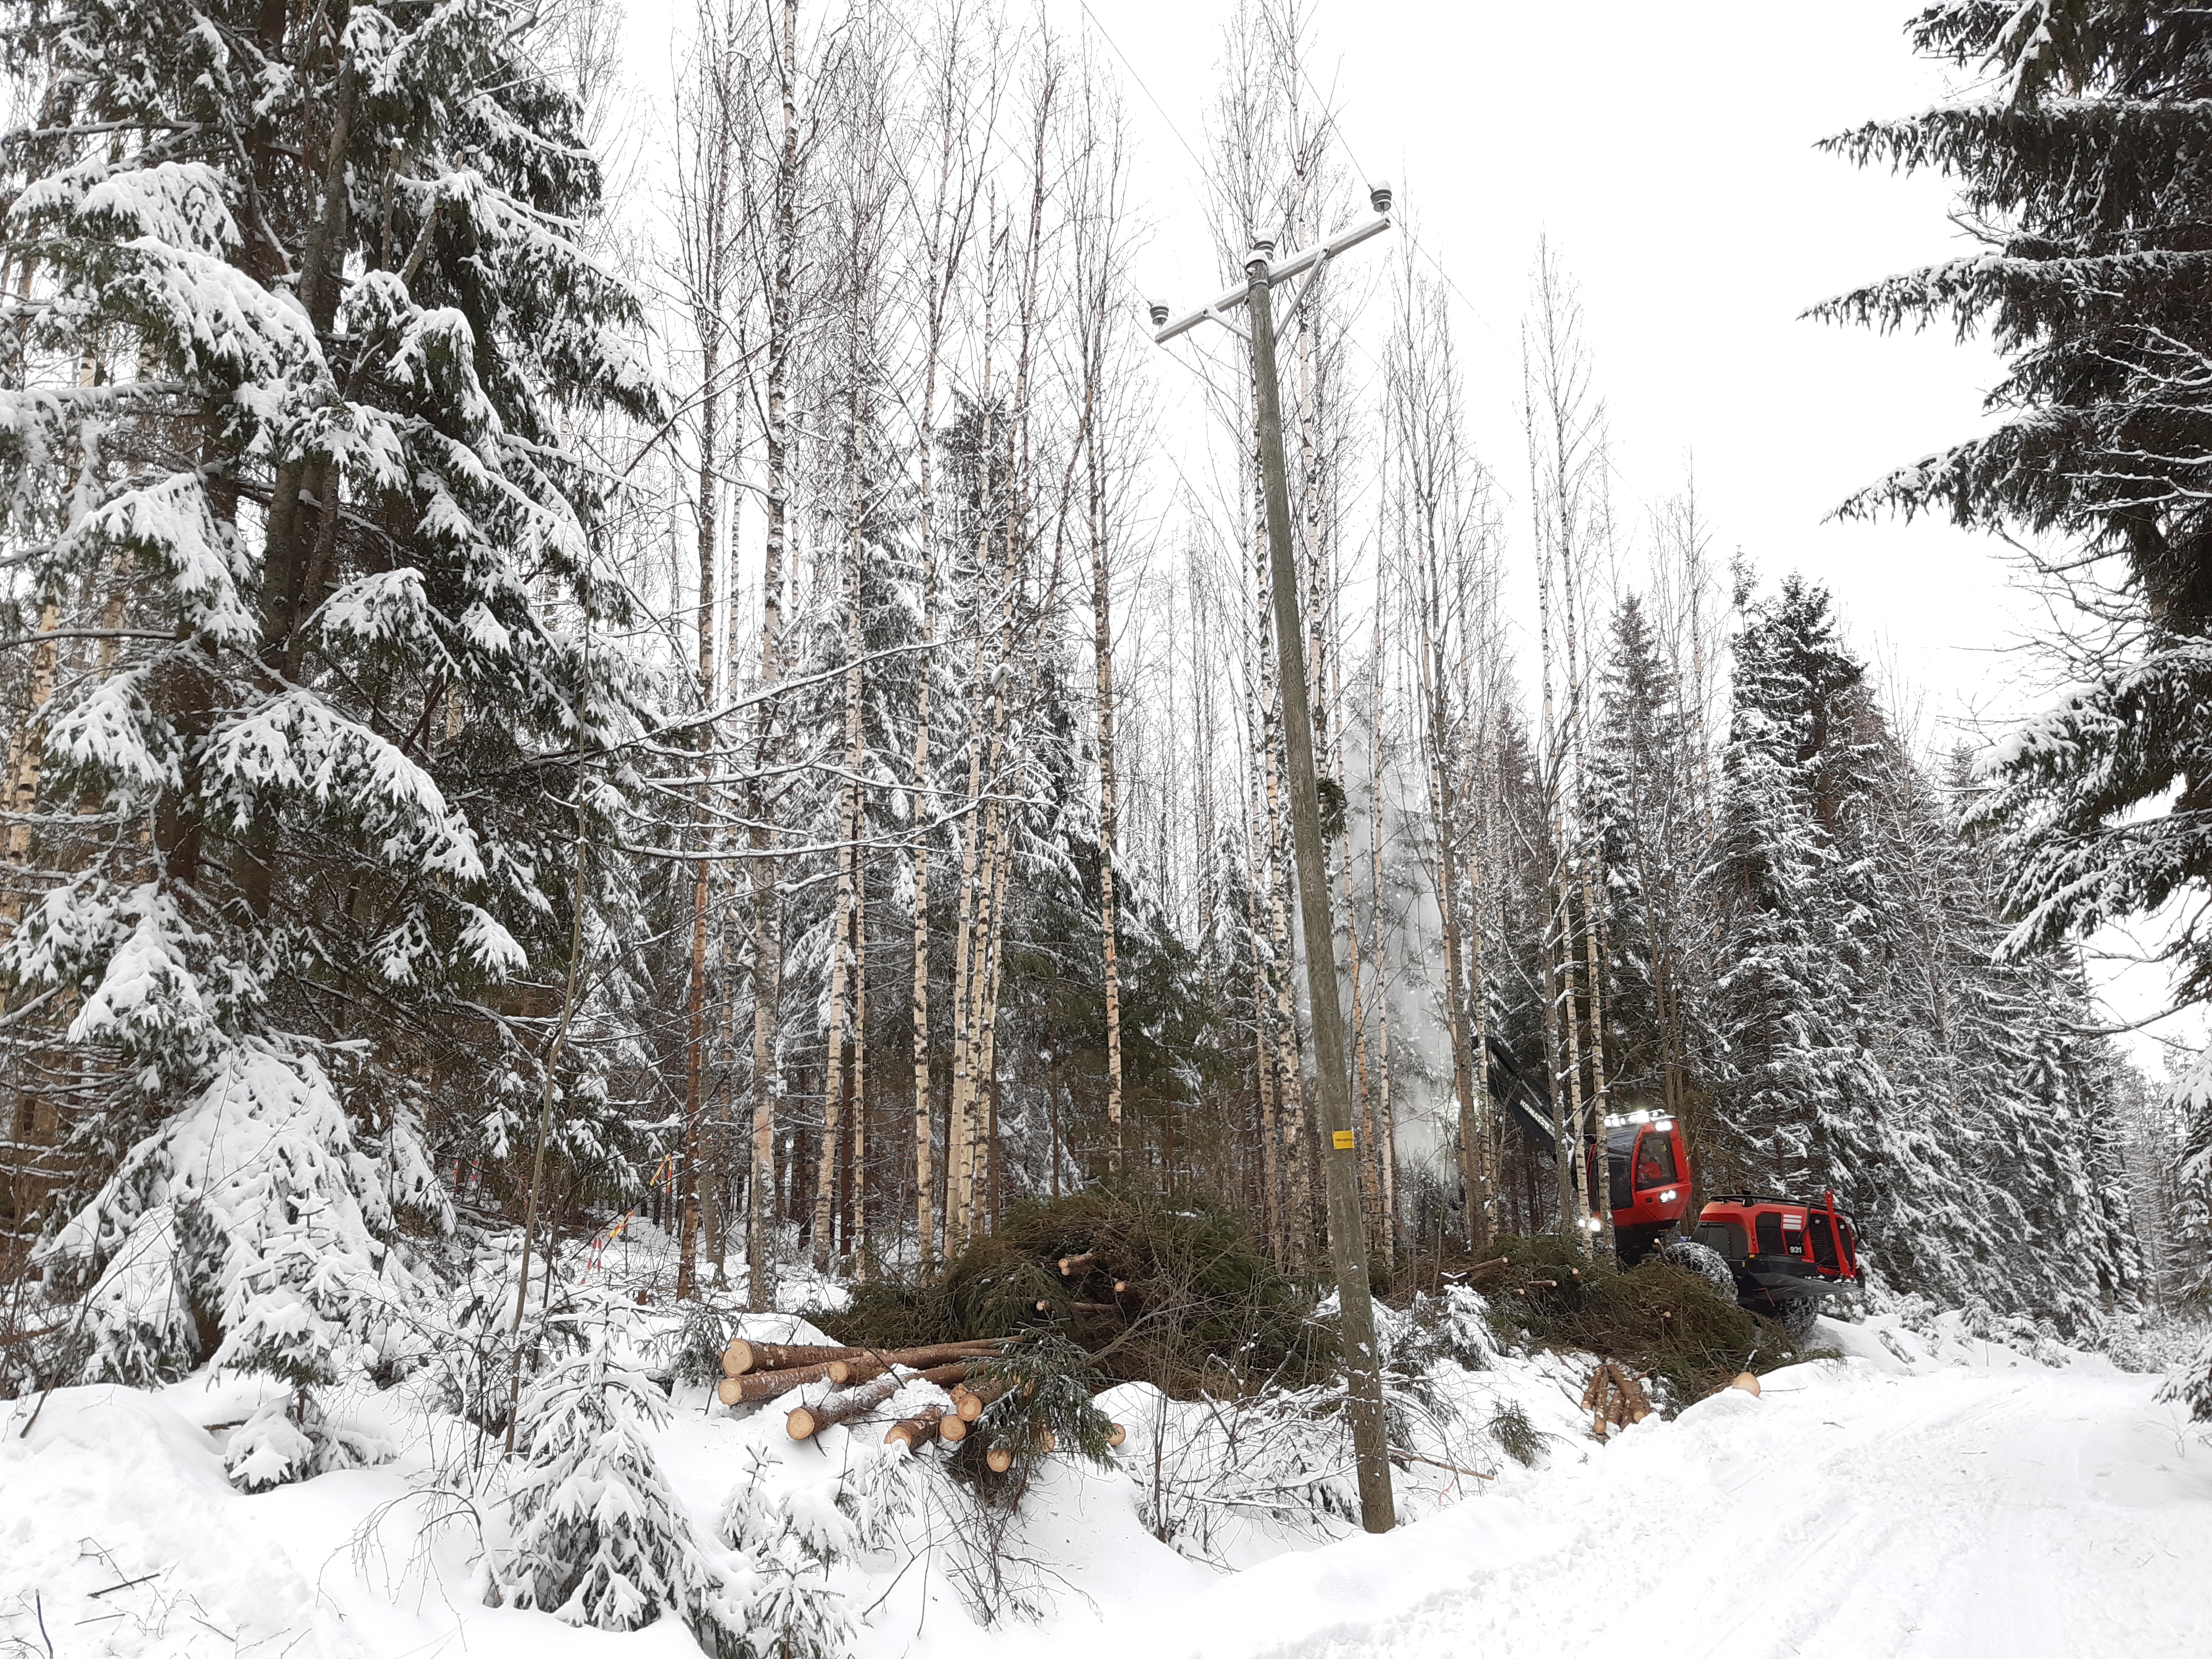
(1725, 1239)
(1654, 1161)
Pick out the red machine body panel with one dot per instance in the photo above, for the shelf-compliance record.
(1781, 1249)
(1657, 1191)
(1648, 1174)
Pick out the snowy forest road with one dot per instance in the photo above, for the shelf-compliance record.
(1847, 1512)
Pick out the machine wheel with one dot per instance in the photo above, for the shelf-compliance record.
(1799, 1315)
(1703, 1260)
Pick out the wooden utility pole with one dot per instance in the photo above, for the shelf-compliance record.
(1347, 1237)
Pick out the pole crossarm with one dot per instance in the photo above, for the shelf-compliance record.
(1290, 265)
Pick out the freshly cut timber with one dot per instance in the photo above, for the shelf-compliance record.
(868, 1364)
(807, 1421)
(742, 1356)
(1071, 1264)
(1001, 1459)
(918, 1430)
(1615, 1399)
(756, 1386)
(970, 1401)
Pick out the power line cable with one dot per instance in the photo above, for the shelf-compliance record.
(1141, 87)
(1336, 126)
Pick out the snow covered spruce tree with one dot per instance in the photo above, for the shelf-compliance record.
(600, 1538)
(1870, 1041)
(299, 327)
(2192, 1092)
(2077, 158)
(1804, 1102)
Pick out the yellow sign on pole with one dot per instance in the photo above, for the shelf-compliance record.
(1343, 1141)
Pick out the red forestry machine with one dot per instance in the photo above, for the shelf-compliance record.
(1777, 1256)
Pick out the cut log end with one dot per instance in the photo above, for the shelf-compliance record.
(1071, 1264)
(738, 1358)
(999, 1460)
(1615, 1399)
(914, 1432)
(800, 1424)
(1747, 1382)
(730, 1390)
(1115, 1434)
(951, 1428)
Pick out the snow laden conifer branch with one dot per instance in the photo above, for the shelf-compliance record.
(2074, 165)
(304, 321)
(600, 1539)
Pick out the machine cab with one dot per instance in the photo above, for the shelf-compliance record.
(1648, 1171)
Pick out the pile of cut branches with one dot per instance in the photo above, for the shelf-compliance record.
(1655, 1319)
(1173, 1293)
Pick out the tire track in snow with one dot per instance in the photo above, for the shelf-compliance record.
(1848, 1514)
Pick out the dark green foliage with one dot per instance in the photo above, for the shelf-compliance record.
(1441, 1328)
(694, 1349)
(1044, 1411)
(1205, 1312)
(1517, 1437)
(1655, 1318)
(2078, 155)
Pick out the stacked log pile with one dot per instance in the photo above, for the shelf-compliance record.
(1614, 1398)
(754, 1372)
(869, 1379)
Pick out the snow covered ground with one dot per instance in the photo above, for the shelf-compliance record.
(1926, 1495)
(1974, 1504)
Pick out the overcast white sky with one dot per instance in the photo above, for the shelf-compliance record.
(1667, 151)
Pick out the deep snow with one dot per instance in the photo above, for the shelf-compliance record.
(1929, 1496)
